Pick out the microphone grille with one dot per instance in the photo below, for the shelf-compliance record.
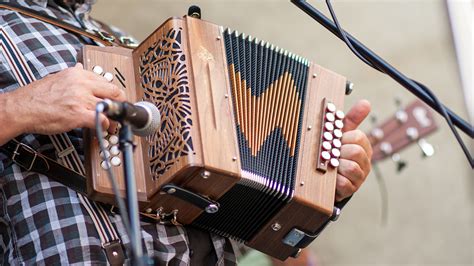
(153, 122)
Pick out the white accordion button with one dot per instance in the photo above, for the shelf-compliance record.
(104, 165)
(335, 153)
(339, 124)
(334, 162)
(330, 117)
(327, 145)
(98, 70)
(325, 155)
(106, 143)
(105, 134)
(109, 76)
(116, 161)
(329, 126)
(337, 133)
(327, 136)
(114, 150)
(107, 154)
(336, 143)
(331, 107)
(113, 139)
(340, 114)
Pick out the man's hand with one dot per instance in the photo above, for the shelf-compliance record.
(58, 103)
(356, 152)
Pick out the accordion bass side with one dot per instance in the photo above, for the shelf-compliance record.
(249, 141)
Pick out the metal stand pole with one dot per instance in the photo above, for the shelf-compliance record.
(126, 146)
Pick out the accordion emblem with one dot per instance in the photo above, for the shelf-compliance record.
(249, 141)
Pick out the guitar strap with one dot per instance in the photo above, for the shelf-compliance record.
(67, 154)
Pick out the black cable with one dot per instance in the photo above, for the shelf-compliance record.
(110, 173)
(441, 107)
(382, 64)
(346, 40)
(450, 123)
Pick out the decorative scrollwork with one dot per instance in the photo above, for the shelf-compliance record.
(164, 79)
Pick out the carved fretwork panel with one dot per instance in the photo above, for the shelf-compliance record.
(165, 81)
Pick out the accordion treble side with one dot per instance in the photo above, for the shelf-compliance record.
(246, 126)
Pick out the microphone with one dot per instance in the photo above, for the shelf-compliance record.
(144, 117)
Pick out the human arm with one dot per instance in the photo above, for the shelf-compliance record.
(57, 103)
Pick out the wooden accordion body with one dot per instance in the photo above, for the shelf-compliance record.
(242, 125)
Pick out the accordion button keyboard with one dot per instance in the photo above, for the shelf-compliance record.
(114, 150)
(328, 136)
(337, 143)
(334, 162)
(109, 76)
(330, 107)
(116, 161)
(327, 145)
(340, 114)
(107, 154)
(329, 126)
(106, 143)
(98, 70)
(104, 165)
(335, 153)
(331, 134)
(330, 117)
(325, 155)
(113, 139)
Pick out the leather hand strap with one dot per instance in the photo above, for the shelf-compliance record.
(98, 36)
(197, 200)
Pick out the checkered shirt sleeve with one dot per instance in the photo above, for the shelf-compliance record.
(42, 221)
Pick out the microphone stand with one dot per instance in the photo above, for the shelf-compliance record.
(384, 66)
(126, 146)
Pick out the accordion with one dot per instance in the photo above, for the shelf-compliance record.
(249, 138)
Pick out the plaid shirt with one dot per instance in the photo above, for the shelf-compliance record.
(42, 221)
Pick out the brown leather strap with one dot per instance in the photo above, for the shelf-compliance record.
(30, 160)
(102, 37)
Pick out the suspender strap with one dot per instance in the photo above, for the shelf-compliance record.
(30, 160)
(102, 37)
(108, 236)
(109, 239)
(72, 172)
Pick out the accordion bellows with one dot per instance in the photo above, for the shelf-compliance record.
(242, 123)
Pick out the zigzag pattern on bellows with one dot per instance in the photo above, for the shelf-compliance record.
(268, 88)
(278, 106)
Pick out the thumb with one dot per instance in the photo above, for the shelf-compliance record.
(356, 115)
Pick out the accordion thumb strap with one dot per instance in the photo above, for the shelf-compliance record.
(98, 36)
